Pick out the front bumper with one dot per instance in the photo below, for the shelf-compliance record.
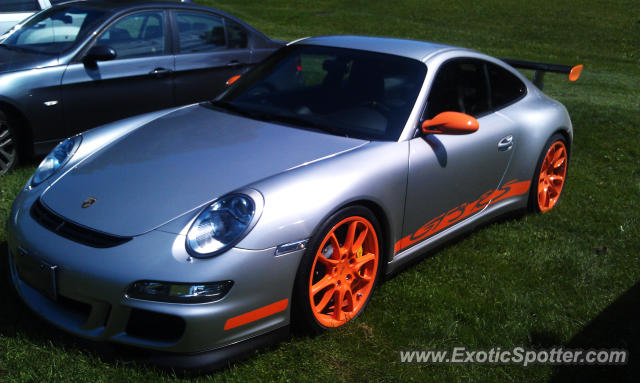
(91, 285)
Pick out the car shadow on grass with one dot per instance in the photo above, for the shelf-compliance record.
(616, 327)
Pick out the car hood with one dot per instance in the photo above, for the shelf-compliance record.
(177, 163)
(15, 60)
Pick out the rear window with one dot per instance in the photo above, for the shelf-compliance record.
(199, 32)
(19, 6)
(237, 36)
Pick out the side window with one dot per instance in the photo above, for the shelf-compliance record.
(137, 35)
(460, 86)
(19, 6)
(505, 86)
(238, 38)
(198, 32)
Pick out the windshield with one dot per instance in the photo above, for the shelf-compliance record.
(341, 91)
(54, 30)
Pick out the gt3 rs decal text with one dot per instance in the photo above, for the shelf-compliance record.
(444, 220)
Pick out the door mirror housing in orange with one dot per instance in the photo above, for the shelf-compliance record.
(450, 123)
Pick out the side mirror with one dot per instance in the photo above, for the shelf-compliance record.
(450, 123)
(233, 79)
(100, 53)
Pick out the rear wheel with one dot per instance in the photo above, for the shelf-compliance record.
(550, 176)
(339, 271)
(8, 144)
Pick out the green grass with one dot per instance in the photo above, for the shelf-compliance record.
(569, 277)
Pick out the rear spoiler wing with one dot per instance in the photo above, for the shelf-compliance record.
(541, 68)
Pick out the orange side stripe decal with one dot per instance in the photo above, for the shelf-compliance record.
(444, 220)
(256, 314)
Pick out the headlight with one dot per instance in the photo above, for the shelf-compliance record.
(56, 159)
(221, 225)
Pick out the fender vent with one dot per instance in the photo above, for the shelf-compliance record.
(72, 231)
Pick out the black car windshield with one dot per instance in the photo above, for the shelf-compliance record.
(54, 30)
(341, 91)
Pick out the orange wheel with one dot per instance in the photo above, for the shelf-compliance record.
(343, 271)
(551, 175)
(340, 270)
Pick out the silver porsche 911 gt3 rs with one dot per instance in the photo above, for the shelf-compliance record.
(203, 231)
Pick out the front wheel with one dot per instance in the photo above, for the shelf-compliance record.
(549, 178)
(339, 272)
(8, 144)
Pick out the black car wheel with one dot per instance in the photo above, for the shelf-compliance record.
(8, 145)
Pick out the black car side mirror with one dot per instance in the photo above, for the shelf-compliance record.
(100, 53)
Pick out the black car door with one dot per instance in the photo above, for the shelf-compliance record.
(209, 50)
(138, 80)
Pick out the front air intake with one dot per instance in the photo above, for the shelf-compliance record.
(72, 231)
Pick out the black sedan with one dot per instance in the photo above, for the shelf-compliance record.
(81, 64)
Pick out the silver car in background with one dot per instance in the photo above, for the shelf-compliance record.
(202, 232)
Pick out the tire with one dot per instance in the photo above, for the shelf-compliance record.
(550, 175)
(325, 277)
(8, 144)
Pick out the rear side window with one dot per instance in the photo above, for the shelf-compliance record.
(505, 86)
(19, 6)
(238, 38)
(199, 32)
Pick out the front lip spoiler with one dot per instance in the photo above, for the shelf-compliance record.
(207, 361)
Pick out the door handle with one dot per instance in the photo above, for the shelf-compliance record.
(505, 143)
(160, 72)
(234, 63)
